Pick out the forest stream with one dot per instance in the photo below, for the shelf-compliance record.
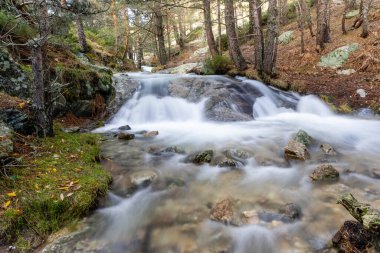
(202, 143)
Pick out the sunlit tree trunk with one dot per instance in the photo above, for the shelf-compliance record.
(233, 42)
(258, 36)
(251, 19)
(219, 28)
(323, 23)
(41, 79)
(126, 41)
(116, 26)
(366, 8)
(305, 13)
(271, 41)
(284, 12)
(208, 28)
(346, 8)
(162, 57)
(301, 24)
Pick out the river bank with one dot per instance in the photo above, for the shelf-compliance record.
(52, 183)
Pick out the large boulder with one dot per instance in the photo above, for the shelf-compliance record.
(352, 237)
(18, 120)
(219, 108)
(325, 172)
(125, 88)
(338, 57)
(13, 79)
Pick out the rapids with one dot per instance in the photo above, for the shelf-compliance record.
(172, 214)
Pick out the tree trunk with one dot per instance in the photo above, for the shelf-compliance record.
(126, 42)
(219, 29)
(160, 33)
(81, 34)
(208, 28)
(358, 22)
(301, 24)
(271, 41)
(258, 37)
(251, 19)
(323, 23)
(116, 26)
(233, 42)
(366, 7)
(168, 34)
(179, 39)
(346, 8)
(41, 78)
(305, 10)
(284, 12)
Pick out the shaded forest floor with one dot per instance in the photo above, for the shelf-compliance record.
(300, 71)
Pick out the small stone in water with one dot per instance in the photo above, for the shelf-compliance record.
(325, 172)
(151, 134)
(222, 211)
(126, 136)
(291, 212)
(296, 151)
(328, 149)
(126, 127)
(143, 178)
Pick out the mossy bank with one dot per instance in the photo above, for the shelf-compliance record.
(58, 183)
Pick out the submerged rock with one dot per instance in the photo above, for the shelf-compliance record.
(327, 149)
(291, 212)
(222, 211)
(201, 157)
(143, 177)
(352, 237)
(174, 149)
(325, 172)
(150, 134)
(125, 136)
(296, 151)
(223, 161)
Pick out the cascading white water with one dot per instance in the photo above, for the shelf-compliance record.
(177, 219)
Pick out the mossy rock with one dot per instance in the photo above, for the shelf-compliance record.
(338, 57)
(303, 137)
(352, 14)
(286, 37)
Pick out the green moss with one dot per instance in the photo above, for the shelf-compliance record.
(217, 65)
(345, 108)
(83, 83)
(194, 34)
(14, 26)
(57, 187)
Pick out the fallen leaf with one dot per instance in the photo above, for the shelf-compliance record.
(62, 197)
(22, 105)
(69, 194)
(11, 194)
(64, 188)
(6, 204)
(77, 188)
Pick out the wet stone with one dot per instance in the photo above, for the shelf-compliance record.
(291, 212)
(143, 177)
(150, 134)
(125, 136)
(123, 128)
(325, 172)
(222, 211)
(296, 151)
(352, 237)
(303, 137)
(327, 149)
(201, 157)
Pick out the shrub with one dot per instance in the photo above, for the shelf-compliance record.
(16, 28)
(194, 34)
(217, 65)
